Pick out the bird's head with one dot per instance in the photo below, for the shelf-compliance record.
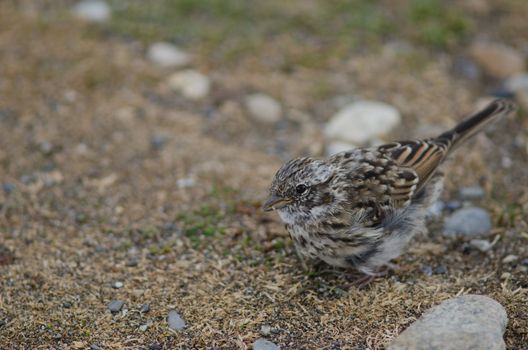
(301, 190)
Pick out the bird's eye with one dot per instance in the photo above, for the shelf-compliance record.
(300, 189)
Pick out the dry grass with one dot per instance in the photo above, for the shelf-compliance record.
(102, 195)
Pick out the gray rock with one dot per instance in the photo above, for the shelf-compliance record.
(472, 192)
(361, 122)
(94, 347)
(143, 327)
(497, 60)
(191, 84)
(466, 322)
(115, 305)
(467, 222)
(263, 344)
(265, 330)
(92, 10)
(144, 308)
(168, 55)
(175, 321)
(263, 108)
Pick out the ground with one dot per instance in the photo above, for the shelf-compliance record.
(93, 143)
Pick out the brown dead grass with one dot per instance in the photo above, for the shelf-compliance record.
(103, 195)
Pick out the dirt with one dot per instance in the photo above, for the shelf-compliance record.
(95, 200)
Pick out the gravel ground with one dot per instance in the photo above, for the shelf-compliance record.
(118, 189)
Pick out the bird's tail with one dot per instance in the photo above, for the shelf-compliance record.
(476, 122)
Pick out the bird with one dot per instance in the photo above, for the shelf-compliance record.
(360, 208)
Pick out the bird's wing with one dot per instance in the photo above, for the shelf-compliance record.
(421, 156)
(378, 185)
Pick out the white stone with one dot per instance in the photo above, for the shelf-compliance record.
(509, 259)
(185, 183)
(264, 108)
(168, 55)
(361, 122)
(481, 244)
(519, 85)
(92, 10)
(191, 84)
(336, 147)
(517, 82)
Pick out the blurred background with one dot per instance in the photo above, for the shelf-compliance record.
(137, 139)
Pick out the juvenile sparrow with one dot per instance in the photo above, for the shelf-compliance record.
(360, 208)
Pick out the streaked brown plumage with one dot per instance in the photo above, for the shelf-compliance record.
(360, 208)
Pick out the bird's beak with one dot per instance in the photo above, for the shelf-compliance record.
(275, 202)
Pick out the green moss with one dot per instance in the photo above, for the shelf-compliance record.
(437, 25)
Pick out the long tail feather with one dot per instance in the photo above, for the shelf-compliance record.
(476, 122)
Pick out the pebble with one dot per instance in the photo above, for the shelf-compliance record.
(168, 55)
(481, 244)
(465, 322)
(361, 122)
(92, 10)
(175, 321)
(501, 92)
(497, 60)
(469, 193)
(453, 205)
(155, 346)
(117, 285)
(505, 275)
(428, 270)
(45, 148)
(185, 182)
(192, 84)
(265, 330)
(525, 262)
(466, 68)
(509, 259)
(143, 327)
(66, 305)
(144, 308)
(440, 270)
(337, 147)
(518, 84)
(95, 347)
(132, 262)
(263, 108)
(158, 141)
(435, 210)
(8, 188)
(467, 222)
(263, 344)
(115, 305)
